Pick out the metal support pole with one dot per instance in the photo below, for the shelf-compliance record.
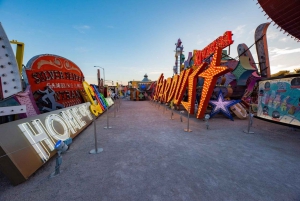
(188, 122)
(96, 150)
(172, 112)
(58, 162)
(249, 121)
(107, 116)
(116, 102)
(181, 112)
(114, 111)
(206, 123)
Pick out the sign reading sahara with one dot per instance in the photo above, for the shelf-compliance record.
(55, 82)
(34, 139)
(279, 100)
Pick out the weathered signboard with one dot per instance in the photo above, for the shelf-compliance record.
(55, 82)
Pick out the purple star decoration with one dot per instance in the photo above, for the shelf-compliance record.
(221, 105)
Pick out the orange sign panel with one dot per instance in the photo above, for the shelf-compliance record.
(220, 42)
(55, 82)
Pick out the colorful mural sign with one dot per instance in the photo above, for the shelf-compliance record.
(279, 100)
(55, 82)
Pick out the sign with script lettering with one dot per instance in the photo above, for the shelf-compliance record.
(55, 82)
(26, 144)
(220, 42)
(174, 88)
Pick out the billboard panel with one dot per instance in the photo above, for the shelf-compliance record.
(279, 100)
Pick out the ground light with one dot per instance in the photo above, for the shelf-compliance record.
(206, 118)
(61, 147)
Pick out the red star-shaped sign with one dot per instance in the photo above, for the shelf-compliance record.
(210, 78)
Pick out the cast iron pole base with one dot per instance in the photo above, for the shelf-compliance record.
(93, 151)
(249, 132)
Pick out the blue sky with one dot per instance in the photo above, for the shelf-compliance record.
(132, 37)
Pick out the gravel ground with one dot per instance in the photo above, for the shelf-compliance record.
(147, 156)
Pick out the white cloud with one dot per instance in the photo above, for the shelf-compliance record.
(239, 31)
(284, 39)
(252, 32)
(271, 35)
(224, 18)
(275, 69)
(110, 27)
(82, 28)
(199, 41)
(275, 52)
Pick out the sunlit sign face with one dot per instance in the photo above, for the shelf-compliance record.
(36, 137)
(57, 77)
(90, 95)
(10, 80)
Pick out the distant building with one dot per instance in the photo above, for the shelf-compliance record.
(139, 89)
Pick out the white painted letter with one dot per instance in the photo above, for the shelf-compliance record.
(36, 138)
(70, 120)
(50, 127)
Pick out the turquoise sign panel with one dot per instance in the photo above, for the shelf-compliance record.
(279, 100)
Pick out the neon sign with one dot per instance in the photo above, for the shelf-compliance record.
(174, 89)
(70, 120)
(220, 42)
(36, 137)
(57, 77)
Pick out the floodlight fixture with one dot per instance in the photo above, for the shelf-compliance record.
(61, 147)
